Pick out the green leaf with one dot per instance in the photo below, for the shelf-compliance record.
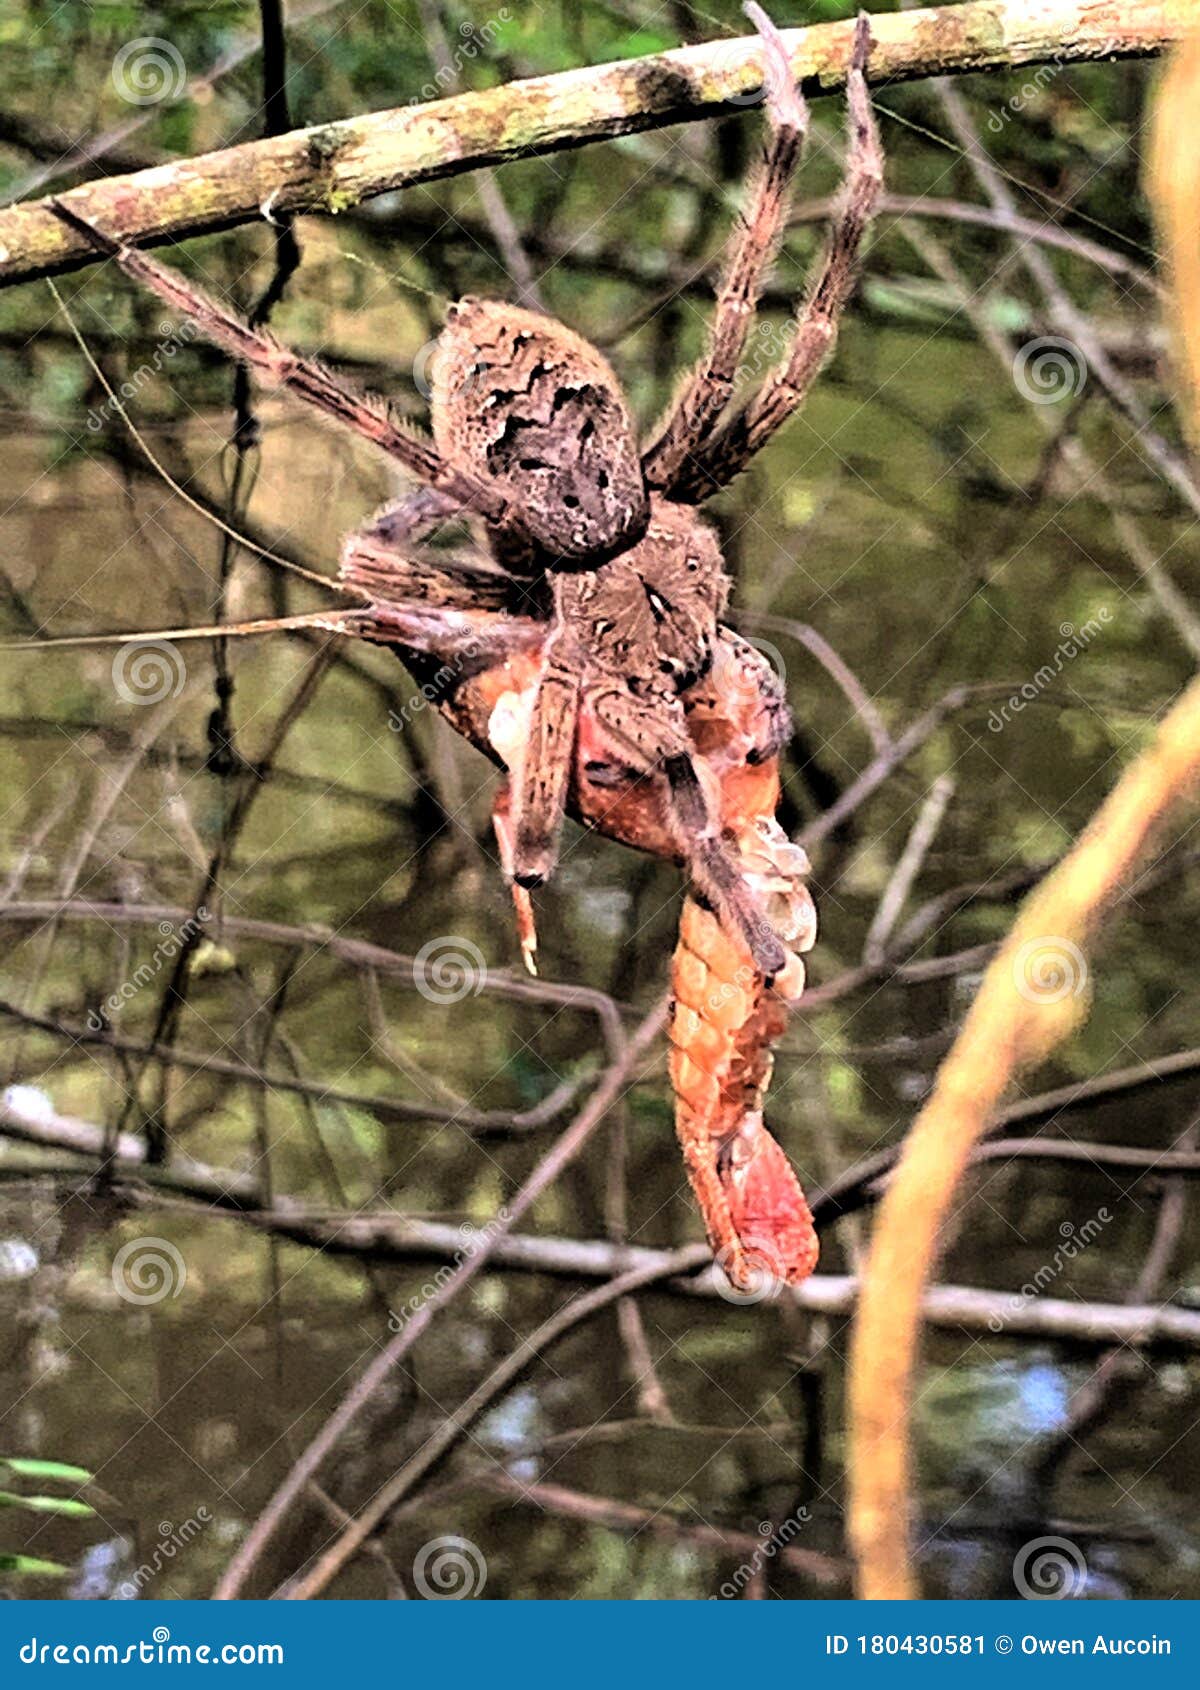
(46, 1504)
(30, 1564)
(30, 1469)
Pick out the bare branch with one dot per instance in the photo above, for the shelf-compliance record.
(333, 166)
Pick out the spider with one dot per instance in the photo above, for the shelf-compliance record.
(600, 572)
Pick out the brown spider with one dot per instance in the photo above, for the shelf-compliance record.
(532, 433)
(584, 651)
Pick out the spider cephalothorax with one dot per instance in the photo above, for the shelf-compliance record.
(584, 649)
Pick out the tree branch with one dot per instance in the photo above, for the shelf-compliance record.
(336, 165)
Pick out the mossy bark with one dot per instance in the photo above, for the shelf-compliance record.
(337, 165)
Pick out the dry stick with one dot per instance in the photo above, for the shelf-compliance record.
(401, 1239)
(99, 147)
(620, 1516)
(1008, 1028)
(453, 1429)
(833, 664)
(908, 866)
(336, 165)
(610, 1087)
(491, 196)
(484, 1123)
(1088, 1405)
(392, 1236)
(360, 953)
(1092, 480)
(1071, 322)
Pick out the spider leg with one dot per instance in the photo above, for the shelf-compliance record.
(544, 772)
(708, 388)
(412, 517)
(365, 414)
(373, 563)
(715, 872)
(727, 451)
(654, 737)
(502, 826)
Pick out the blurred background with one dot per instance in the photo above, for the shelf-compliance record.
(970, 558)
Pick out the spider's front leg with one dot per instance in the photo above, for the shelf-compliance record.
(365, 414)
(713, 462)
(708, 388)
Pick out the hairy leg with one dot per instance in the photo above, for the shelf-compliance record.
(715, 871)
(727, 452)
(502, 825)
(544, 773)
(655, 736)
(708, 388)
(365, 414)
(373, 564)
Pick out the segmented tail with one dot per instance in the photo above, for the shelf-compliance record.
(725, 1019)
